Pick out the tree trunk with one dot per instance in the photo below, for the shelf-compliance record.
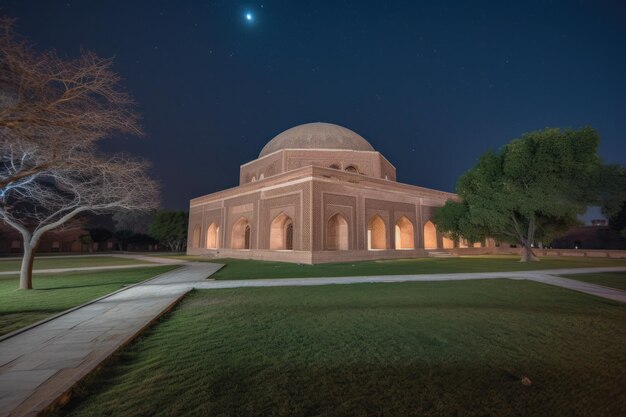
(528, 255)
(26, 272)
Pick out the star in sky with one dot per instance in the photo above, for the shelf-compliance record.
(424, 60)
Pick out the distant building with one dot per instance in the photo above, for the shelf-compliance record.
(318, 193)
(590, 237)
(65, 240)
(72, 240)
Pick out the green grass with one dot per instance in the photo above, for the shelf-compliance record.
(248, 269)
(69, 262)
(608, 279)
(406, 349)
(54, 293)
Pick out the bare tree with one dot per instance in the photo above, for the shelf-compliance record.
(53, 111)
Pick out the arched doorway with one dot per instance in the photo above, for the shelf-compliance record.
(430, 235)
(405, 238)
(337, 233)
(195, 239)
(376, 233)
(240, 236)
(448, 243)
(281, 233)
(212, 236)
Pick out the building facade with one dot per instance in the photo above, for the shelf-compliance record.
(317, 193)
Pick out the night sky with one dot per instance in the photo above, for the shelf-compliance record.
(431, 86)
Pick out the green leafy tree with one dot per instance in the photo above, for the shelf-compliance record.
(122, 236)
(614, 203)
(100, 235)
(531, 190)
(170, 228)
(617, 221)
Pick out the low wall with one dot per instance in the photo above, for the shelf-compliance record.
(365, 255)
(591, 253)
(298, 257)
(304, 257)
(466, 251)
(320, 257)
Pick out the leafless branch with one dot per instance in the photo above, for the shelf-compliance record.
(53, 111)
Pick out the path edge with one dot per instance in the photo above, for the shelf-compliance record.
(64, 312)
(66, 396)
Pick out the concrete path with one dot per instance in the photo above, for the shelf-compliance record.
(132, 255)
(153, 261)
(39, 366)
(83, 268)
(548, 276)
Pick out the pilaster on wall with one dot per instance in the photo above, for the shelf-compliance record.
(420, 224)
(361, 224)
(309, 194)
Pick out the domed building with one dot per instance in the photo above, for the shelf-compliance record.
(317, 193)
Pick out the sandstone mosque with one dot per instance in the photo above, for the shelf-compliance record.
(318, 192)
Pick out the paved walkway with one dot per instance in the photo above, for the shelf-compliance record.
(40, 365)
(544, 276)
(132, 255)
(82, 268)
(153, 261)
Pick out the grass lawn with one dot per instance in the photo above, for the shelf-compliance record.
(406, 349)
(54, 293)
(248, 269)
(608, 279)
(68, 262)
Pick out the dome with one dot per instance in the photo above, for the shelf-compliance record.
(317, 136)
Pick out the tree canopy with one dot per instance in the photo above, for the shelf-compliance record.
(614, 203)
(170, 228)
(531, 190)
(53, 113)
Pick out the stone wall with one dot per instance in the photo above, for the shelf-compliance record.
(371, 164)
(306, 199)
(591, 253)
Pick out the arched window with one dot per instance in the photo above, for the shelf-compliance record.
(430, 235)
(376, 233)
(253, 178)
(195, 239)
(261, 176)
(281, 233)
(448, 243)
(352, 169)
(463, 243)
(337, 233)
(334, 166)
(240, 236)
(405, 238)
(478, 244)
(212, 236)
